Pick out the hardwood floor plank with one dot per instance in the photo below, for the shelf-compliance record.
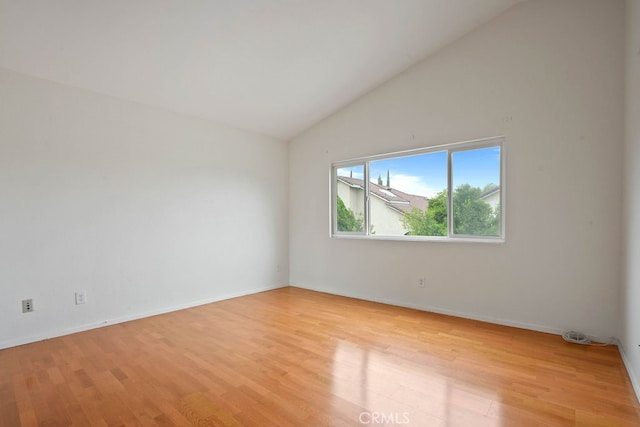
(292, 357)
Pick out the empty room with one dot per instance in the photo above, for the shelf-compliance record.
(320, 213)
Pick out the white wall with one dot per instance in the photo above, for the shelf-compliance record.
(630, 301)
(548, 76)
(144, 209)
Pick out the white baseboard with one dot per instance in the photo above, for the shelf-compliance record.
(134, 316)
(632, 376)
(438, 310)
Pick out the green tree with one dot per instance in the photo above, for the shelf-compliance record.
(347, 220)
(379, 180)
(429, 222)
(471, 215)
(438, 205)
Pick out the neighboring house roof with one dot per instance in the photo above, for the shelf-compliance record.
(490, 192)
(395, 199)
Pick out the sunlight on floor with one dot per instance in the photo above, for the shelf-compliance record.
(395, 391)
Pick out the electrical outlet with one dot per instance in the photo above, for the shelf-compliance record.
(27, 305)
(422, 282)
(81, 297)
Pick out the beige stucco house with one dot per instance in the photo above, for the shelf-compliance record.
(388, 204)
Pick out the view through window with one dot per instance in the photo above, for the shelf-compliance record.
(350, 204)
(448, 191)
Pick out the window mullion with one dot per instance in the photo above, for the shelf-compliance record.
(449, 195)
(367, 215)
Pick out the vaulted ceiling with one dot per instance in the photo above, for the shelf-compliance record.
(271, 66)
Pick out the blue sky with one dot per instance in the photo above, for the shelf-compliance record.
(426, 174)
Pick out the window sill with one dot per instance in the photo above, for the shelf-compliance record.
(490, 240)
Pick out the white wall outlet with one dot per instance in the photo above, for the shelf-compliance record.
(422, 282)
(27, 305)
(81, 297)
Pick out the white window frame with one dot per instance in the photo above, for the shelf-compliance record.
(450, 148)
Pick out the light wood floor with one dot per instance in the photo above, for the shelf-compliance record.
(292, 357)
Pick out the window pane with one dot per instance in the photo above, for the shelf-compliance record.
(408, 195)
(476, 192)
(350, 199)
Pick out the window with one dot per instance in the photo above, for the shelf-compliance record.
(452, 191)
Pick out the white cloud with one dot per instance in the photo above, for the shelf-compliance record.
(413, 185)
